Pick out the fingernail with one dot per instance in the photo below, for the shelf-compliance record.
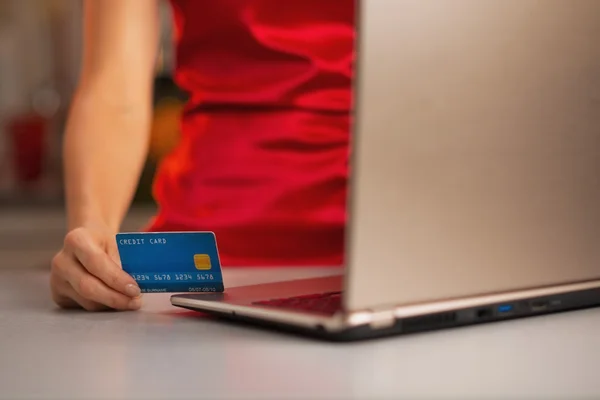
(132, 290)
(135, 303)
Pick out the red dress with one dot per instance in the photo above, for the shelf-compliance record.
(263, 159)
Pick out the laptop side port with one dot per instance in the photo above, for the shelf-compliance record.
(538, 305)
(505, 309)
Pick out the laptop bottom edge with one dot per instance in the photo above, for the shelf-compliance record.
(505, 311)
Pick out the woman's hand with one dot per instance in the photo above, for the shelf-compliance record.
(87, 273)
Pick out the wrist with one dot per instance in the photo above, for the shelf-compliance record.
(90, 219)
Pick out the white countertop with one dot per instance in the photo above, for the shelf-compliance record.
(162, 352)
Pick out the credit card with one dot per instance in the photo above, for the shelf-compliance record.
(172, 261)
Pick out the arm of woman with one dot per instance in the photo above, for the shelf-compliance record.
(105, 146)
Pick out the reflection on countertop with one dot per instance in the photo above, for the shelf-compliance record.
(30, 237)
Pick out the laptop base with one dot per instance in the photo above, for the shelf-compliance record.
(564, 302)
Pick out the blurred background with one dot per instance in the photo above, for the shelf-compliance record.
(40, 49)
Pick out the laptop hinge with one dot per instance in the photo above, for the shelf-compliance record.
(382, 318)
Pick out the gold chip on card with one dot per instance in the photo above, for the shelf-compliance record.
(202, 261)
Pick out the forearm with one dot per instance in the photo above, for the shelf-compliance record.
(105, 148)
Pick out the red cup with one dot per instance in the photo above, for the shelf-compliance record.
(27, 140)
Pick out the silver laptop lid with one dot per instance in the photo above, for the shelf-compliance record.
(476, 155)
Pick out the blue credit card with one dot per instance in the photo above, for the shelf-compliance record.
(172, 261)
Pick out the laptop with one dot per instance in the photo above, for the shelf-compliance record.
(475, 175)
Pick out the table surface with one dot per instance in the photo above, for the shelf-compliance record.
(162, 352)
